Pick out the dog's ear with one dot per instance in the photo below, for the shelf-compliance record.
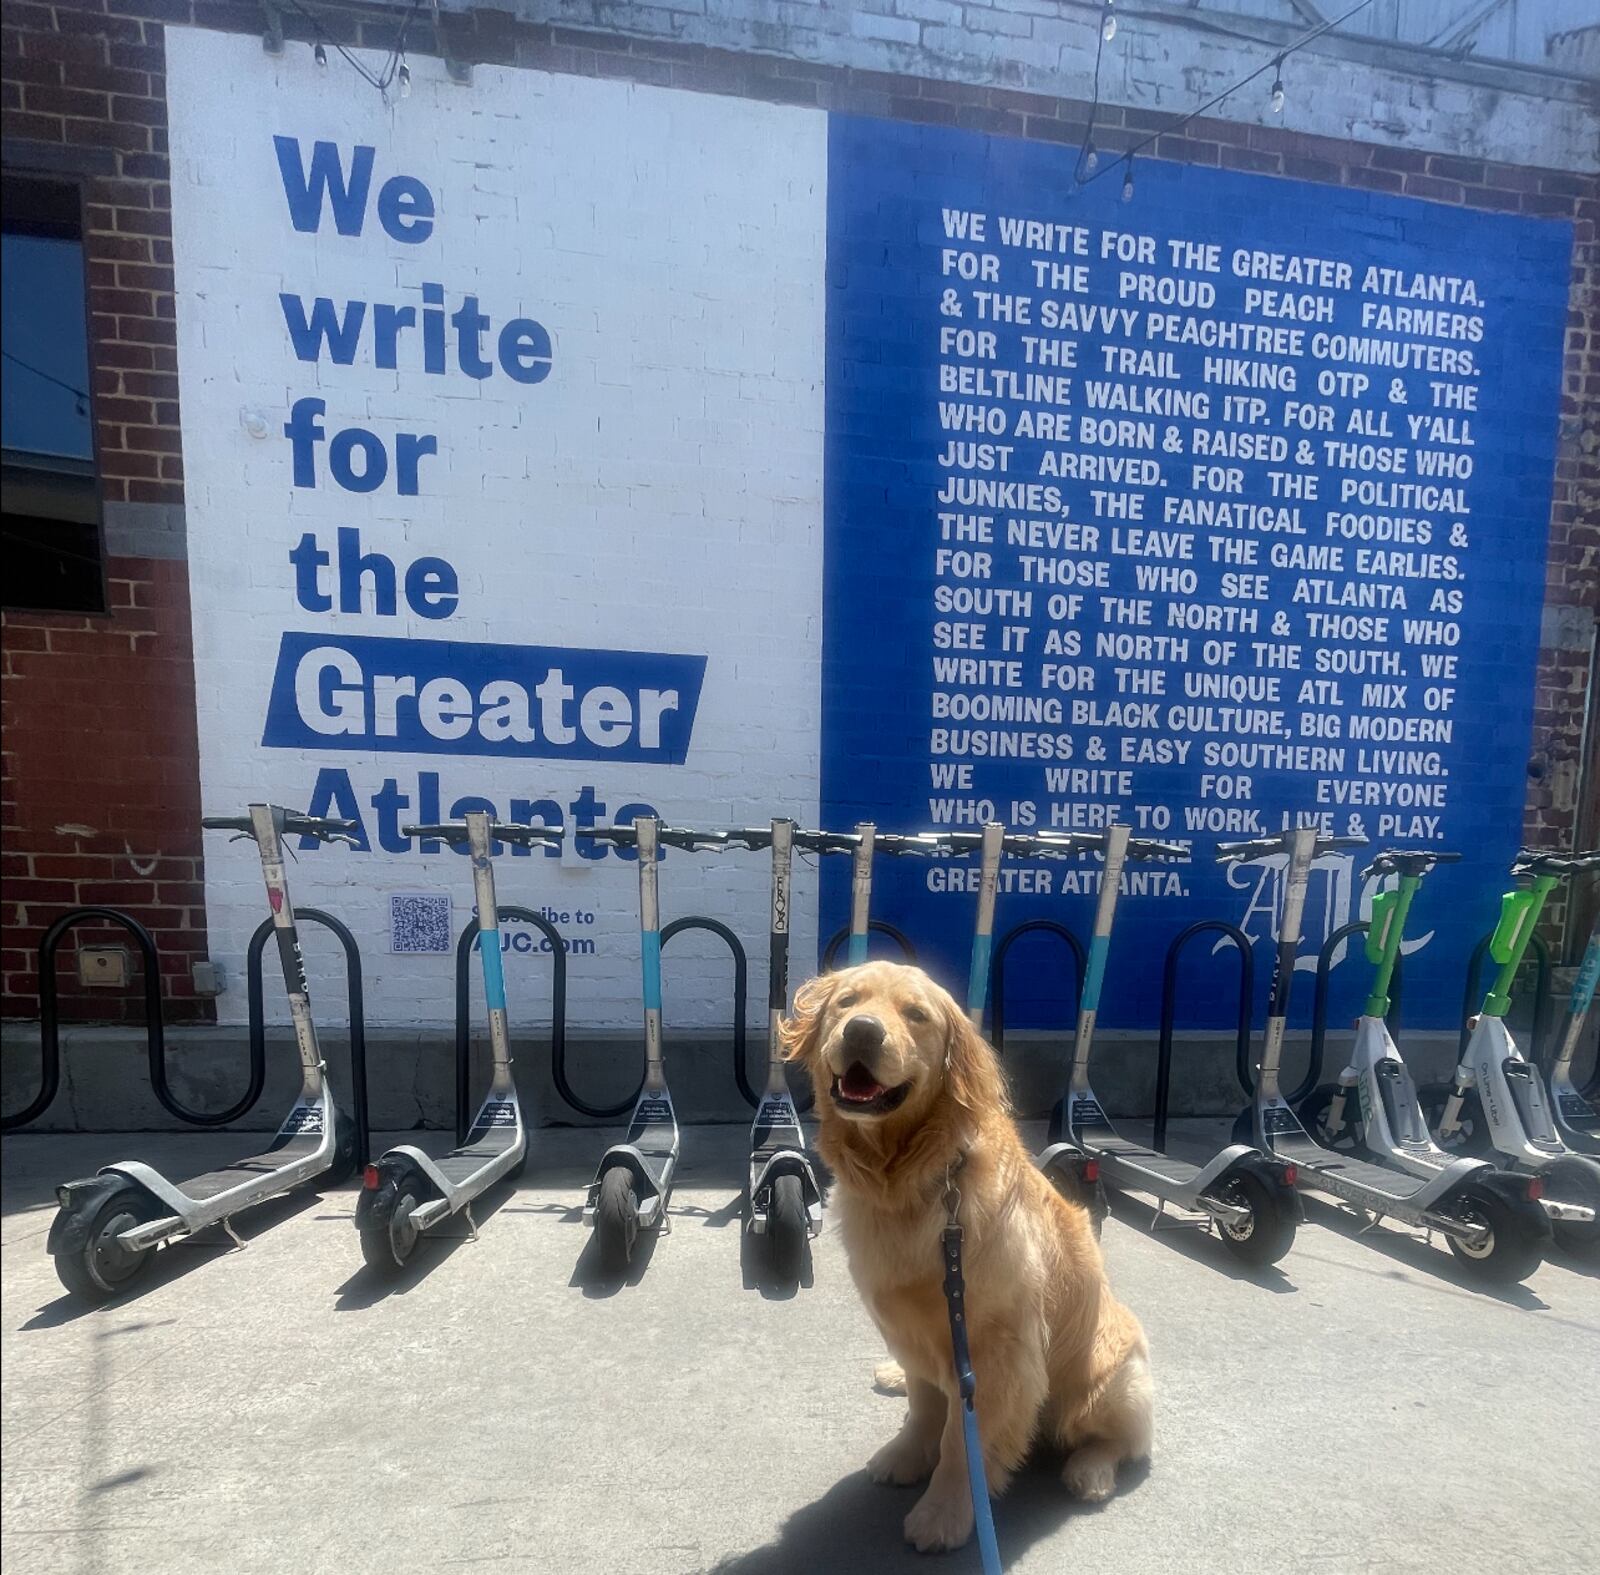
(802, 1032)
(971, 1068)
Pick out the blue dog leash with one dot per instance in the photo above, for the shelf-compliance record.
(955, 1294)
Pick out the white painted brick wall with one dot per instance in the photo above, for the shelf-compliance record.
(1157, 63)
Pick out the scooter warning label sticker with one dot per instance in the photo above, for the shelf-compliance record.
(496, 1113)
(302, 1121)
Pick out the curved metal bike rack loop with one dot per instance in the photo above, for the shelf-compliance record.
(1319, 1003)
(558, 1017)
(50, 1020)
(1471, 1000)
(997, 971)
(908, 952)
(1169, 1013)
(741, 985)
(356, 996)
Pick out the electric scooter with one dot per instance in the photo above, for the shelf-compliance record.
(1249, 1196)
(407, 1191)
(109, 1225)
(633, 1184)
(1501, 1093)
(1492, 1220)
(785, 1196)
(1576, 1119)
(1373, 1109)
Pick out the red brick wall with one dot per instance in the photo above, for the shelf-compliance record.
(99, 712)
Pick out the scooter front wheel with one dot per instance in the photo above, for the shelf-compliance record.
(1314, 1112)
(1576, 1180)
(1268, 1233)
(1510, 1251)
(102, 1267)
(787, 1232)
(389, 1234)
(616, 1219)
(1471, 1135)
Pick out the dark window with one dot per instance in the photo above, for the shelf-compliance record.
(49, 492)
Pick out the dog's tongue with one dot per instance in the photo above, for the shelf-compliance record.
(858, 1083)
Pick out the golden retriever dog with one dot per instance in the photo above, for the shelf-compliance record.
(911, 1100)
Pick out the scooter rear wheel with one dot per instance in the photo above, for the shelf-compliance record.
(1269, 1232)
(787, 1234)
(1573, 1181)
(1510, 1252)
(616, 1219)
(388, 1236)
(103, 1267)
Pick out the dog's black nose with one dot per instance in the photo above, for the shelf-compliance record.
(863, 1034)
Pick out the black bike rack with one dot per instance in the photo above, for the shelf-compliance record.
(908, 952)
(1319, 1003)
(558, 1016)
(1471, 1000)
(258, 1026)
(741, 988)
(1169, 1013)
(997, 971)
(49, 1015)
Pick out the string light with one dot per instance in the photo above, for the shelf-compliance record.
(405, 78)
(394, 68)
(1108, 27)
(1091, 157)
(319, 53)
(1127, 183)
(1178, 122)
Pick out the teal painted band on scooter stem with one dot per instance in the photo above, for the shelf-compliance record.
(1094, 975)
(978, 977)
(494, 974)
(650, 954)
(1588, 976)
(857, 951)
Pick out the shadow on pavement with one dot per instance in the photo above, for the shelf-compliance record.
(855, 1527)
(180, 1259)
(1433, 1259)
(597, 1282)
(1197, 1243)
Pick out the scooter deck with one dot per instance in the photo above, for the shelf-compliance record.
(279, 1157)
(1314, 1160)
(462, 1163)
(1135, 1156)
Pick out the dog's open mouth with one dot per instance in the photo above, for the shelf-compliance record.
(860, 1092)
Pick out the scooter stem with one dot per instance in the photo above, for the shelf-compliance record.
(479, 842)
(1302, 852)
(778, 953)
(1389, 910)
(1582, 994)
(861, 893)
(1519, 917)
(1116, 855)
(645, 829)
(266, 824)
(994, 835)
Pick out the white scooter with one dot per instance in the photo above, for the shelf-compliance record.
(1499, 1092)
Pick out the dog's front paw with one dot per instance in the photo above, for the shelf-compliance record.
(1090, 1474)
(940, 1521)
(903, 1461)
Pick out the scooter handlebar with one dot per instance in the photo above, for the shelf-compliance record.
(1531, 861)
(1406, 861)
(499, 830)
(666, 836)
(323, 827)
(1264, 847)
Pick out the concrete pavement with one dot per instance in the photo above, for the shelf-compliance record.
(272, 1410)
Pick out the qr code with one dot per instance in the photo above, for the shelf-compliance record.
(419, 921)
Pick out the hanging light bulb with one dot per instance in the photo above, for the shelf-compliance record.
(1091, 157)
(1127, 183)
(1277, 88)
(319, 53)
(1108, 27)
(405, 80)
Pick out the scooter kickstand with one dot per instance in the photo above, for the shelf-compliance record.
(238, 1240)
(472, 1224)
